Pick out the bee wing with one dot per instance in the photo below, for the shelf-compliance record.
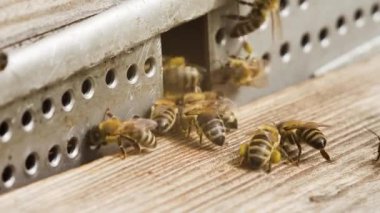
(296, 124)
(144, 123)
(276, 25)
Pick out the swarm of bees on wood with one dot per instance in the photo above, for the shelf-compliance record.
(210, 113)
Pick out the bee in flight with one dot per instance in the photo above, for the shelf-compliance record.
(260, 9)
(248, 71)
(378, 138)
(295, 132)
(206, 122)
(180, 77)
(164, 111)
(135, 132)
(263, 149)
(245, 72)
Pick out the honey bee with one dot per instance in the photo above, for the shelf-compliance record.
(180, 78)
(216, 101)
(263, 148)
(164, 111)
(245, 72)
(206, 122)
(378, 138)
(194, 97)
(256, 17)
(295, 132)
(135, 132)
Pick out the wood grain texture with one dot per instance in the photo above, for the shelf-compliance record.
(22, 19)
(182, 176)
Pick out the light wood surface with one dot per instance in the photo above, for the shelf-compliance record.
(182, 176)
(21, 20)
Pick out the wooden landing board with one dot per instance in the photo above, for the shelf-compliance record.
(182, 176)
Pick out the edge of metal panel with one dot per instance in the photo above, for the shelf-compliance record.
(84, 44)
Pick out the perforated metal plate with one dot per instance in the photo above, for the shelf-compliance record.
(43, 134)
(315, 34)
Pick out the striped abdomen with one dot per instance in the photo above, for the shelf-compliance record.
(181, 80)
(259, 151)
(165, 116)
(143, 137)
(212, 126)
(313, 137)
(252, 22)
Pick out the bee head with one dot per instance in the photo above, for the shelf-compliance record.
(95, 137)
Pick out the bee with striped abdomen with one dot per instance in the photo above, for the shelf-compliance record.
(295, 131)
(263, 148)
(164, 111)
(180, 78)
(135, 132)
(215, 101)
(206, 122)
(260, 9)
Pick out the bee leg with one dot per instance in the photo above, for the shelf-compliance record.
(245, 3)
(188, 131)
(268, 168)
(285, 154)
(122, 149)
(200, 137)
(235, 17)
(137, 147)
(378, 153)
(325, 155)
(299, 152)
(241, 161)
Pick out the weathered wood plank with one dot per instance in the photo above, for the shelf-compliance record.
(21, 19)
(181, 175)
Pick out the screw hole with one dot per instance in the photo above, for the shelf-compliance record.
(284, 9)
(67, 100)
(87, 88)
(111, 78)
(375, 12)
(149, 66)
(72, 147)
(5, 133)
(54, 156)
(358, 17)
(323, 37)
(27, 120)
(31, 164)
(284, 52)
(132, 73)
(305, 42)
(47, 108)
(341, 25)
(7, 176)
(303, 4)
(3, 61)
(220, 37)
